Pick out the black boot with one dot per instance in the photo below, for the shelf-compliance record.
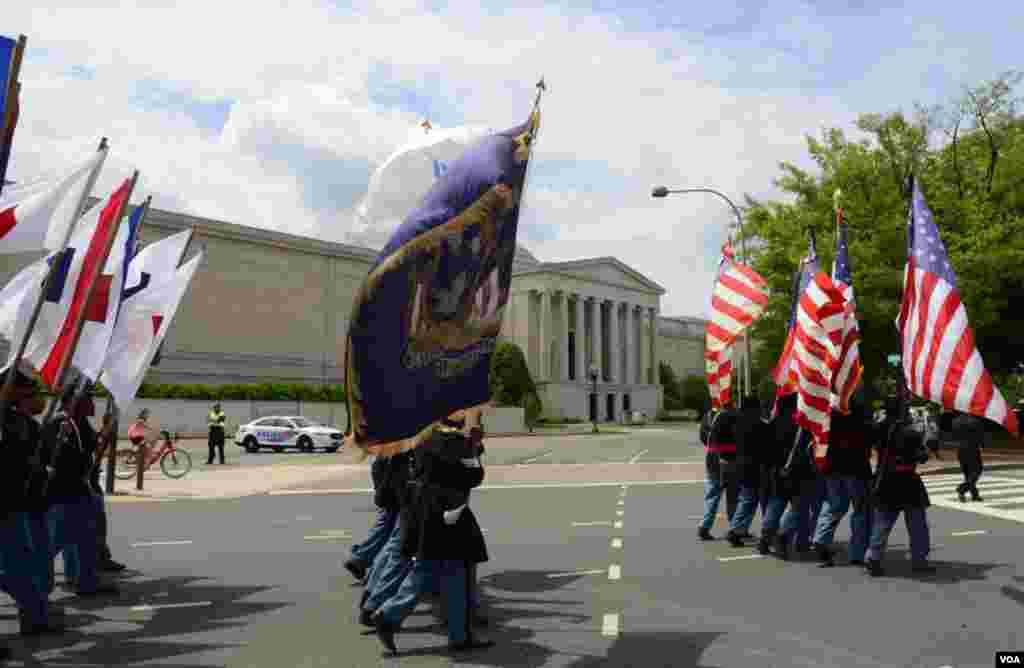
(470, 643)
(825, 557)
(357, 570)
(366, 618)
(875, 568)
(704, 534)
(763, 545)
(734, 539)
(782, 546)
(385, 632)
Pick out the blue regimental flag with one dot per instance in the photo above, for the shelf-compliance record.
(9, 107)
(426, 320)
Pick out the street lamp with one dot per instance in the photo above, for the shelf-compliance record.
(592, 372)
(660, 192)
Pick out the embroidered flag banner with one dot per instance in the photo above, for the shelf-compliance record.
(426, 320)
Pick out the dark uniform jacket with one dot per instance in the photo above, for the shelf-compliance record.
(849, 449)
(446, 469)
(775, 448)
(751, 436)
(22, 476)
(72, 458)
(390, 480)
(897, 485)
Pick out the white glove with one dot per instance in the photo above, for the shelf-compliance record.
(452, 516)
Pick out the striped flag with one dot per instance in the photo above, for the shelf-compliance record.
(850, 368)
(739, 298)
(801, 279)
(817, 341)
(941, 362)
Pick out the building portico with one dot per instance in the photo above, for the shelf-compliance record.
(569, 316)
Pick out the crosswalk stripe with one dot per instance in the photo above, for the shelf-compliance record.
(1001, 494)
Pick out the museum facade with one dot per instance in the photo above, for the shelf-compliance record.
(272, 307)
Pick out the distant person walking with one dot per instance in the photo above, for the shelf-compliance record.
(217, 420)
(969, 432)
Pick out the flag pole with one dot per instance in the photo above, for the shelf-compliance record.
(13, 91)
(58, 258)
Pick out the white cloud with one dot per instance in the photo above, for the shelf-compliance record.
(301, 75)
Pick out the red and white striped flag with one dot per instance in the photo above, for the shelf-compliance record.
(739, 298)
(850, 369)
(941, 362)
(817, 341)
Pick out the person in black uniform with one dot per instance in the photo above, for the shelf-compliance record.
(721, 469)
(68, 446)
(443, 535)
(363, 555)
(898, 488)
(775, 491)
(969, 432)
(750, 441)
(25, 557)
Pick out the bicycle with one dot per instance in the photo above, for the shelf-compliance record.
(174, 461)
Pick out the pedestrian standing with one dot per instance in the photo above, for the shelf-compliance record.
(217, 421)
(969, 432)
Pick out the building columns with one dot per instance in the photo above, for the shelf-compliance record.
(653, 314)
(543, 329)
(630, 345)
(581, 340)
(597, 342)
(563, 347)
(613, 342)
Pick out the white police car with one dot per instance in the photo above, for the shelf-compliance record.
(280, 432)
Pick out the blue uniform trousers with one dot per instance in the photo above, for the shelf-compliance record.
(745, 509)
(772, 508)
(73, 532)
(798, 522)
(388, 572)
(366, 552)
(841, 492)
(21, 554)
(419, 582)
(916, 520)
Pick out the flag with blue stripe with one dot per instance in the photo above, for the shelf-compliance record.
(426, 320)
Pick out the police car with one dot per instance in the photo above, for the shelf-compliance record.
(280, 432)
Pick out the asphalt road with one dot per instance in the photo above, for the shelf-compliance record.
(257, 582)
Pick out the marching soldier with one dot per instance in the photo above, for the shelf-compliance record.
(444, 537)
(899, 489)
(750, 440)
(721, 470)
(364, 554)
(24, 549)
(217, 420)
(846, 484)
(775, 490)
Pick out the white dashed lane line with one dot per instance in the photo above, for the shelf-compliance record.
(569, 574)
(610, 625)
(162, 543)
(616, 543)
(617, 525)
(600, 523)
(170, 606)
(637, 456)
(614, 572)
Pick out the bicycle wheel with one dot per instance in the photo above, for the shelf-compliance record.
(125, 464)
(176, 463)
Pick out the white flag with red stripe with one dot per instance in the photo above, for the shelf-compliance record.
(37, 215)
(817, 341)
(739, 298)
(941, 362)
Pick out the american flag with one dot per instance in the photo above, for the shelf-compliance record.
(941, 362)
(739, 298)
(801, 279)
(817, 341)
(850, 368)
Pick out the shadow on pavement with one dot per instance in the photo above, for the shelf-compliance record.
(527, 582)
(1015, 594)
(124, 636)
(658, 649)
(947, 572)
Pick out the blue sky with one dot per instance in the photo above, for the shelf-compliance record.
(281, 122)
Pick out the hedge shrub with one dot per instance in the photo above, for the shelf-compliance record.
(238, 392)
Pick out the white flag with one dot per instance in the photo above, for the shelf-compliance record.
(399, 184)
(17, 299)
(141, 327)
(156, 263)
(37, 215)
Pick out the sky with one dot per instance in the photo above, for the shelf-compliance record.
(275, 117)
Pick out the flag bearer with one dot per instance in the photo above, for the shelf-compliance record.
(750, 441)
(720, 467)
(846, 483)
(217, 421)
(364, 554)
(775, 492)
(801, 479)
(24, 550)
(898, 488)
(446, 538)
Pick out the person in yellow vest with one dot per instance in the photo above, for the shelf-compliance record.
(217, 419)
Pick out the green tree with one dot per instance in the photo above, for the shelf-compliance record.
(510, 379)
(670, 382)
(695, 395)
(972, 181)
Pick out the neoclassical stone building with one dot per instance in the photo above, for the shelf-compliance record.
(272, 307)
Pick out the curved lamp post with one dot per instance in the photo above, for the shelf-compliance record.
(593, 372)
(662, 191)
